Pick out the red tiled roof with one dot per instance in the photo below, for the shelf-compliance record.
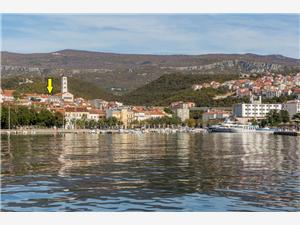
(8, 93)
(155, 112)
(36, 95)
(138, 110)
(71, 109)
(97, 111)
(60, 110)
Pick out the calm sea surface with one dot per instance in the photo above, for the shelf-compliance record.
(150, 172)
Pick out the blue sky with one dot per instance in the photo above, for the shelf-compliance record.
(153, 34)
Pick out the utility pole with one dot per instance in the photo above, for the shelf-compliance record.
(9, 118)
(63, 120)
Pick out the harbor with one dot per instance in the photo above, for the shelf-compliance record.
(101, 131)
(221, 128)
(288, 133)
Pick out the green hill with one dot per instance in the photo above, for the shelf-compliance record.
(176, 87)
(78, 87)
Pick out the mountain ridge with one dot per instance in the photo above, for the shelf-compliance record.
(131, 71)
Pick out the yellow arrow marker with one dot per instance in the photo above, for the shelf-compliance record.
(49, 86)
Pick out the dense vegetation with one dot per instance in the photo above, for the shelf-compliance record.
(163, 91)
(173, 120)
(174, 87)
(202, 98)
(100, 124)
(279, 99)
(24, 116)
(78, 87)
(130, 71)
(274, 118)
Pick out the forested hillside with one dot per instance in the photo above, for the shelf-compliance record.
(78, 87)
(174, 87)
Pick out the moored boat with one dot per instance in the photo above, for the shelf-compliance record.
(231, 127)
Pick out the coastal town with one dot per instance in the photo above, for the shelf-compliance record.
(268, 86)
(150, 112)
(81, 113)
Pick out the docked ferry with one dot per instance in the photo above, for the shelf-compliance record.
(231, 127)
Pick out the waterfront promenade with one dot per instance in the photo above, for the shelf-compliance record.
(120, 130)
(99, 131)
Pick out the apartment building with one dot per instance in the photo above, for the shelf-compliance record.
(215, 114)
(293, 107)
(123, 114)
(254, 109)
(182, 111)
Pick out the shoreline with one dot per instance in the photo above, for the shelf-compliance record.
(98, 131)
(45, 131)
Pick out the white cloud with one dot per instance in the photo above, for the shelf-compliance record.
(175, 34)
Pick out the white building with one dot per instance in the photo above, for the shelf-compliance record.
(255, 109)
(96, 114)
(272, 93)
(123, 114)
(139, 115)
(64, 84)
(98, 103)
(213, 115)
(293, 107)
(65, 95)
(73, 114)
(6, 96)
(182, 111)
(197, 87)
(37, 97)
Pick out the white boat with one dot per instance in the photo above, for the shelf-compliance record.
(239, 128)
(222, 128)
(266, 130)
(231, 127)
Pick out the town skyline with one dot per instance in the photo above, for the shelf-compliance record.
(99, 112)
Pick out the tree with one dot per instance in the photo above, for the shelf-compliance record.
(254, 122)
(112, 121)
(274, 118)
(285, 117)
(263, 123)
(45, 118)
(174, 120)
(23, 116)
(81, 123)
(191, 122)
(196, 114)
(58, 119)
(101, 123)
(168, 111)
(17, 94)
(296, 116)
(109, 122)
(91, 124)
(8, 115)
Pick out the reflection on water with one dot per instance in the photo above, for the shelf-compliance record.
(150, 172)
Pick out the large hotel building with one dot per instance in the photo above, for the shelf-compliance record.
(254, 109)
